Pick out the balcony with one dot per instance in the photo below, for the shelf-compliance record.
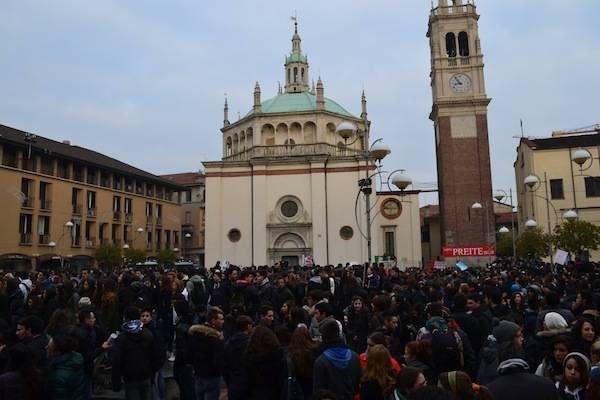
(25, 239)
(45, 205)
(90, 243)
(159, 221)
(44, 239)
(91, 212)
(128, 217)
(27, 202)
(76, 209)
(117, 215)
(295, 150)
(454, 9)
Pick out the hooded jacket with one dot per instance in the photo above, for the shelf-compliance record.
(206, 351)
(66, 375)
(337, 369)
(516, 383)
(134, 354)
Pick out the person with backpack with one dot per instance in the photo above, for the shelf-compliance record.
(197, 291)
(503, 335)
(446, 344)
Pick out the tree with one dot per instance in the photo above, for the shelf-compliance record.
(134, 256)
(166, 256)
(576, 236)
(532, 242)
(504, 246)
(107, 255)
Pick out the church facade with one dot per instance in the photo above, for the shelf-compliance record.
(286, 187)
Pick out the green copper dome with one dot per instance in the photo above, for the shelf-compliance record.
(296, 58)
(296, 102)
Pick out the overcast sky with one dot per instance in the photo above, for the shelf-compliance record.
(144, 81)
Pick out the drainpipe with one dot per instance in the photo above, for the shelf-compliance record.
(326, 215)
(252, 211)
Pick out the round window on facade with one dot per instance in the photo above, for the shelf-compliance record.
(234, 235)
(289, 208)
(346, 232)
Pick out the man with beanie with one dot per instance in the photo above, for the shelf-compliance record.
(515, 382)
(504, 334)
(134, 357)
(337, 368)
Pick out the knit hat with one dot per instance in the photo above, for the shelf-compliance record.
(515, 288)
(85, 302)
(505, 331)
(578, 355)
(554, 320)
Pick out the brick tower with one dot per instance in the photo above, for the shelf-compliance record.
(459, 114)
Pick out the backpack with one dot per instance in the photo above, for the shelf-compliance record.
(294, 390)
(445, 350)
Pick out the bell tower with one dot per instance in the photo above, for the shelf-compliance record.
(459, 115)
(296, 66)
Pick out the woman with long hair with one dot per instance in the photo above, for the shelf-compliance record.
(265, 366)
(21, 381)
(60, 322)
(378, 378)
(374, 339)
(552, 364)
(356, 321)
(584, 334)
(302, 353)
(110, 315)
(66, 368)
(460, 385)
(418, 354)
(576, 376)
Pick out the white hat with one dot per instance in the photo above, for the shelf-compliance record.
(554, 320)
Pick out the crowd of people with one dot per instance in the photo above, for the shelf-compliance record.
(511, 330)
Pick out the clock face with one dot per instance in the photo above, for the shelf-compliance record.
(460, 83)
(391, 208)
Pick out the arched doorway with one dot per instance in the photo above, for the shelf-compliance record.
(289, 247)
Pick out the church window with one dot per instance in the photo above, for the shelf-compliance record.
(346, 232)
(234, 235)
(302, 74)
(288, 77)
(463, 44)
(228, 148)
(289, 208)
(295, 74)
(451, 44)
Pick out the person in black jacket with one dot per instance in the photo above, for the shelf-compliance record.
(515, 382)
(30, 332)
(183, 373)
(235, 348)
(134, 357)
(158, 381)
(207, 354)
(467, 322)
(90, 344)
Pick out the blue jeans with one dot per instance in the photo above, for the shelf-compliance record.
(207, 388)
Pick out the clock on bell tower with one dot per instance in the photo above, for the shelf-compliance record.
(459, 114)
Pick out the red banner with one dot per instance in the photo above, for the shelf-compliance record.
(469, 251)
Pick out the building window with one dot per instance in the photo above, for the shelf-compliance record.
(62, 169)
(25, 228)
(117, 182)
(167, 239)
(78, 173)
(450, 44)
(188, 217)
(128, 206)
(104, 179)
(175, 238)
(44, 195)
(188, 196)
(346, 232)
(26, 192)
(128, 185)
(91, 203)
(463, 44)
(92, 176)
(592, 186)
(289, 208)
(556, 189)
(9, 157)
(76, 233)
(43, 229)
(138, 187)
(234, 235)
(390, 244)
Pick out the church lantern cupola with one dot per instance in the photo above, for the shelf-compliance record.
(296, 67)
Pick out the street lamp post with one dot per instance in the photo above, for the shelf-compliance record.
(373, 156)
(54, 245)
(499, 196)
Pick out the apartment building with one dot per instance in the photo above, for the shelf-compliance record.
(192, 214)
(60, 201)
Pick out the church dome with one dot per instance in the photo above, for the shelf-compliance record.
(298, 102)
